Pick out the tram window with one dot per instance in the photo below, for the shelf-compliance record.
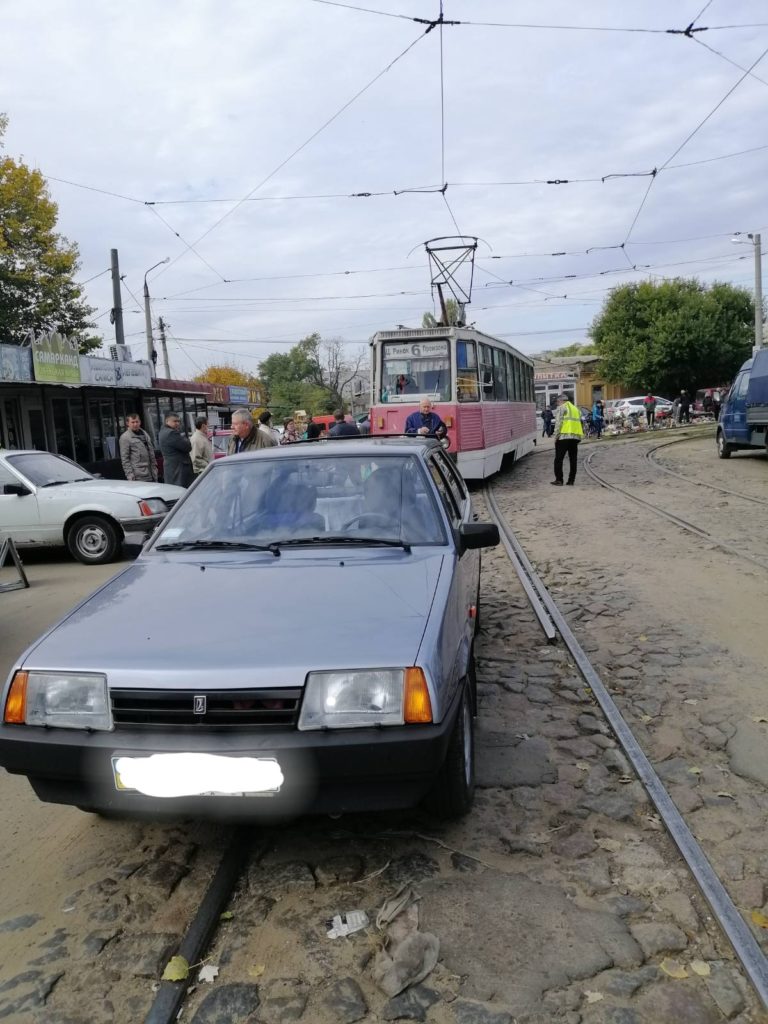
(466, 372)
(529, 372)
(418, 368)
(511, 382)
(486, 374)
(500, 375)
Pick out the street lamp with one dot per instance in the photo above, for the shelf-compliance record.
(148, 314)
(755, 239)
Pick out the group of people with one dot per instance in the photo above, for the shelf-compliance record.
(185, 458)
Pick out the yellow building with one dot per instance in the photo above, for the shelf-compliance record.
(578, 377)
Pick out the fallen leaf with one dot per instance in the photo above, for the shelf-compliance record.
(593, 997)
(611, 845)
(701, 968)
(694, 771)
(177, 969)
(654, 822)
(626, 779)
(646, 718)
(642, 638)
(256, 970)
(759, 719)
(724, 792)
(226, 916)
(690, 700)
(582, 766)
(673, 969)
(759, 918)
(208, 973)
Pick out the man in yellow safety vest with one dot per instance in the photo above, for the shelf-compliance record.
(568, 433)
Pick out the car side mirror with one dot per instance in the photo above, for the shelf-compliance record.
(18, 489)
(478, 535)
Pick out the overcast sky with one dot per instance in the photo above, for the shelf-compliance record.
(202, 101)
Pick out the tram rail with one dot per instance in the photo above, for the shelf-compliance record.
(724, 911)
(696, 483)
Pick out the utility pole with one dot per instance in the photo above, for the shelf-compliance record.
(117, 301)
(162, 324)
(148, 323)
(758, 291)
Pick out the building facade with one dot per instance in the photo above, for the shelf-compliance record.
(578, 377)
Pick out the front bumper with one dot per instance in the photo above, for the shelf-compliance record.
(142, 524)
(325, 772)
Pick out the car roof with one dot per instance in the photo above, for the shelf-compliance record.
(333, 446)
(5, 452)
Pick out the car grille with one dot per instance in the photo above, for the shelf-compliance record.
(170, 502)
(226, 709)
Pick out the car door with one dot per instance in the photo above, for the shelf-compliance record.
(19, 516)
(733, 418)
(459, 624)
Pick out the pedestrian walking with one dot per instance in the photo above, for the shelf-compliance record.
(685, 407)
(175, 448)
(202, 449)
(649, 402)
(546, 418)
(707, 403)
(341, 428)
(568, 433)
(597, 418)
(716, 402)
(137, 453)
(246, 436)
(265, 426)
(290, 433)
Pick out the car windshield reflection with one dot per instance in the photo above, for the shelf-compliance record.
(289, 501)
(46, 470)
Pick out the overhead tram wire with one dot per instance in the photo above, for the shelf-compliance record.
(685, 142)
(183, 241)
(304, 144)
(728, 60)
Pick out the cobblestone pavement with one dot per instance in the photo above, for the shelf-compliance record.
(559, 898)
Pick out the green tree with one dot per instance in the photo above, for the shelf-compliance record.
(578, 348)
(37, 266)
(313, 375)
(672, 335)
(451, 308)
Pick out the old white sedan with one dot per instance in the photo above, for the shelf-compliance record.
(47, 500)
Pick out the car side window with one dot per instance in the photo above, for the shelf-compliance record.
(741, 385)
(455, 483)
(6, 477)
(444, 490)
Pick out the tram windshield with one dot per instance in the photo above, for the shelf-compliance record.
(412, 370)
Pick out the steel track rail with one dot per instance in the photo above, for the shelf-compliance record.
(696, 483)
(729, 919)
(677, 520)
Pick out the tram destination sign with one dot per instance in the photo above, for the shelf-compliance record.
(416, 349)
(56, 359)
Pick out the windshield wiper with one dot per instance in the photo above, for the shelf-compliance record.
(324, 538)
(57, 483)
(217, 545)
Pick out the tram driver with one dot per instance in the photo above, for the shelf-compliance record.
(426, 422)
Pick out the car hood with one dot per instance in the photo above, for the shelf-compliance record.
(136, 489)
(234, 622)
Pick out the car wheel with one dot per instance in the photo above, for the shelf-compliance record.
(454, 789)
(93, 540)
(723, 448)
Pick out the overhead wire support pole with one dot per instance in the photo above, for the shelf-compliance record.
(756, 241)
(117, 300)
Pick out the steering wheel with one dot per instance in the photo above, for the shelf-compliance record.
(376, 519)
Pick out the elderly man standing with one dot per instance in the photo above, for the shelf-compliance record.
(137, 453)
(426, 422)
(175, 448)
(246, 436)
(568, 433)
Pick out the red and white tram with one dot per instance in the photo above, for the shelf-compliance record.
(480, 386)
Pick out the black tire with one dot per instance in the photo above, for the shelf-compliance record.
(93, 540)
(723, 448)
(454, 788)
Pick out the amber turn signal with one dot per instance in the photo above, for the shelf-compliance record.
(417, 707)
(16, 702)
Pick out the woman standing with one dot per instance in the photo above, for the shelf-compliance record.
(598, 418)
(290, 433)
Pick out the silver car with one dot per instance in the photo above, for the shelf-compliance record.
(339, 675)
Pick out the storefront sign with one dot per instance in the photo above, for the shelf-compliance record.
(56, 359)
(416, 350)
(111, 373)
(15, 363)
(219, 394)
(238, 395)
(254, 396)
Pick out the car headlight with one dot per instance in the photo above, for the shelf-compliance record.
(371, 697)
(153, 507)
(61, 700)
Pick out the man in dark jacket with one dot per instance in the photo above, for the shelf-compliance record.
(342, 429)
(426, 422)
(685, 407)
(246, 436)
(175, 449)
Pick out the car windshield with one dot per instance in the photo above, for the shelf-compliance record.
(344, 499)
(45, 470)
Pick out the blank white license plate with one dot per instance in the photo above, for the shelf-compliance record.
(178, 775)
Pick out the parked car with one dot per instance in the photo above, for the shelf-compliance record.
(48, 500)
(364, 701)
(636, 407)
(743, 420)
